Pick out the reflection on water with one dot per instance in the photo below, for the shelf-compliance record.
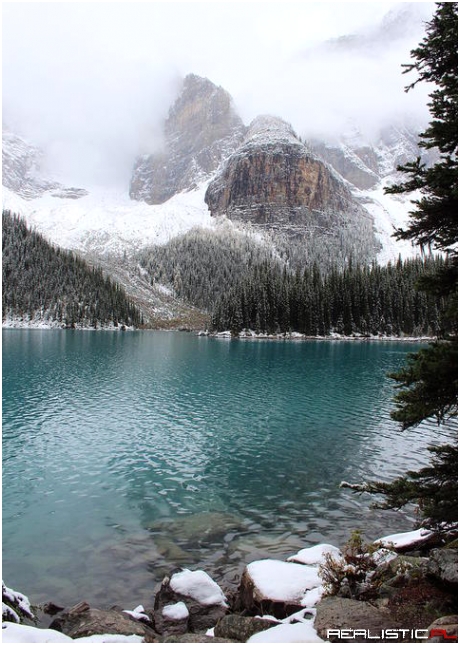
(128, 454)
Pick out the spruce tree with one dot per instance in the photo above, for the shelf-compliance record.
(428, 383)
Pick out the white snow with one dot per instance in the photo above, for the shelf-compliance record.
(199, 586)
(312, 597)
(283, 581)
(178, 611)
(110, 638)
(18, 599)
(314, 554)
(288, 633)
(403, 539)
(138, 613)
(13, 633)
(109, 221)
(390, 212)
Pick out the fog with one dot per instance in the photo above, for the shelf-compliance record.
(91, 83)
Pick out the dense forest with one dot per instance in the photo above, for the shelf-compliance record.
(201, 265)
(375, 300)
(43, 283)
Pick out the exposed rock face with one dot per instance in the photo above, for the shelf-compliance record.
(201, 130)
(365, 165)
(21, 170)
(274, 182)
(272, 179)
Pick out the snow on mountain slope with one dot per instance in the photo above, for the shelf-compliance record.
(390, 212)
(107, 222)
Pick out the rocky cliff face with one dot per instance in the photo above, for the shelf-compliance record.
(272, 179)
(22, 171)
(365, 165)
(274, 182)
(201, 130)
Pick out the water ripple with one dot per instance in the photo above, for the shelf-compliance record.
(138, 452)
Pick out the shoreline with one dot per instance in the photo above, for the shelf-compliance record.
(224, 335)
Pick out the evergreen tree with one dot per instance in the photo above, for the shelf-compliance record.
(428, 383)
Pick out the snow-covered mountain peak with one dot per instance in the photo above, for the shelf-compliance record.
(22, 171)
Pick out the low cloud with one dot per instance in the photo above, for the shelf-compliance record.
(92, 82)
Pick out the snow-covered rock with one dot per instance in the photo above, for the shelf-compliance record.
(277, 588)
(291, 633)
(199, 586)
(314, 554)
(177, 611)
(405, 541)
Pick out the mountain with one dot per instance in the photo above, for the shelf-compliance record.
(22, 171)
(201, 130)
(291, 200)
(366, 164)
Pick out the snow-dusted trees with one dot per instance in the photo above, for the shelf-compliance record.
(42, 282)
(365, 300)
(204, 264)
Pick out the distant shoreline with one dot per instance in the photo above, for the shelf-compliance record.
(225, 335)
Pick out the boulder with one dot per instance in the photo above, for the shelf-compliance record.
(345, 613)
(447, 624)
(241, 628)
(199, 594)
(195, 638)
(443, 566)
(80, 621)
(276, 588)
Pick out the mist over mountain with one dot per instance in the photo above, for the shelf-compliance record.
(139, 166)
(95, 113)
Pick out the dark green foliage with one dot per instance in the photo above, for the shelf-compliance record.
(433, 488)
(428, 383)
(48, 284)
(202, 265)
(364, 300)
(434, 221)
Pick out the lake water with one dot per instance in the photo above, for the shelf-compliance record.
(125, 455)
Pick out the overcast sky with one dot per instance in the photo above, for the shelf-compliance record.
(92, 81)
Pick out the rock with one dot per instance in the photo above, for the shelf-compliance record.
(240, 628)
(274, 182)
(80, 621)
(195, 638)
(22, 170)
(204, 609)
(346, 613)
(201, 130)
(393, 574)
(443, 566)
(447, 625)
(196, 530)
(51, 608)
(275, 588)
(315, 554)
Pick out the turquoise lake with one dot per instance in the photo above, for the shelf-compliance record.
(128, 454)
